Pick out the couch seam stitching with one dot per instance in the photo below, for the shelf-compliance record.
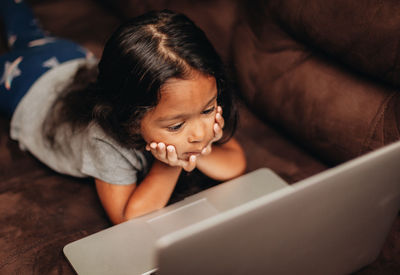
(377, 118)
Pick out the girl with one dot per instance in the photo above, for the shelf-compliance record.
(156, 104)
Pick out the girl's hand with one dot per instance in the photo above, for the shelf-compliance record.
(168, 155)
(218, 126)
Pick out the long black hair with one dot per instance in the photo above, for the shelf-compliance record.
(139, 57)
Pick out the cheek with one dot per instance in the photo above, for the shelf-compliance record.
(146, 133)
(160, 135)
(170, 139)
(210, 126)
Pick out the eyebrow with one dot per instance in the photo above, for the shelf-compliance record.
(162, 119)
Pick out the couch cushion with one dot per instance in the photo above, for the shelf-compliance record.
(364, 35)
(330, 109)
(264, 146)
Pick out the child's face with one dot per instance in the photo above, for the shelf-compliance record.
(184, 116)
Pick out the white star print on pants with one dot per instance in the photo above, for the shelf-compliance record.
(11, 71)
(51, 62)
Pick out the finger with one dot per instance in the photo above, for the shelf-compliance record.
(161, 150)
(153, 149)
(220, 120)
(191, 164)
(217, 129)
(171, 154)
(217, 132)
(219, 109)
(148, 147)
(206, 150)
(153, 145)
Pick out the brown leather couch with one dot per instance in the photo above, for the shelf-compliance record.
(318, 86)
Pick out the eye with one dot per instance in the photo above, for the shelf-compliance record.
(208, 111)
(175, 127)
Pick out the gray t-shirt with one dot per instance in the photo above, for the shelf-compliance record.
(87, 153)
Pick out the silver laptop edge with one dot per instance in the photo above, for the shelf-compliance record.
(143, 231)
(351, 167)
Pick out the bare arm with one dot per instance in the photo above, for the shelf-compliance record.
(122, 203)
(225, 162)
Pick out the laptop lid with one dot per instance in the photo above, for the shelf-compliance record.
(129, 248)
(332, 223)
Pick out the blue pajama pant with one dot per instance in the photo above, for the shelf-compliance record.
(32, 53)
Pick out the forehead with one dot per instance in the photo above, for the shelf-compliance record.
(197, 87)
(186, 95)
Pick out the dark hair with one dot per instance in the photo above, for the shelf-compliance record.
(139, 57)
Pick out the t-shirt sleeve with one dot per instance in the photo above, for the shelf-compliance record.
(105, 161)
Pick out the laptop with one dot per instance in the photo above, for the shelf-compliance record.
(332, 223)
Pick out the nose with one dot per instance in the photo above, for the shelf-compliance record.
(197, 132)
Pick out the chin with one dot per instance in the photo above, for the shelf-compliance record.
(183, 157)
